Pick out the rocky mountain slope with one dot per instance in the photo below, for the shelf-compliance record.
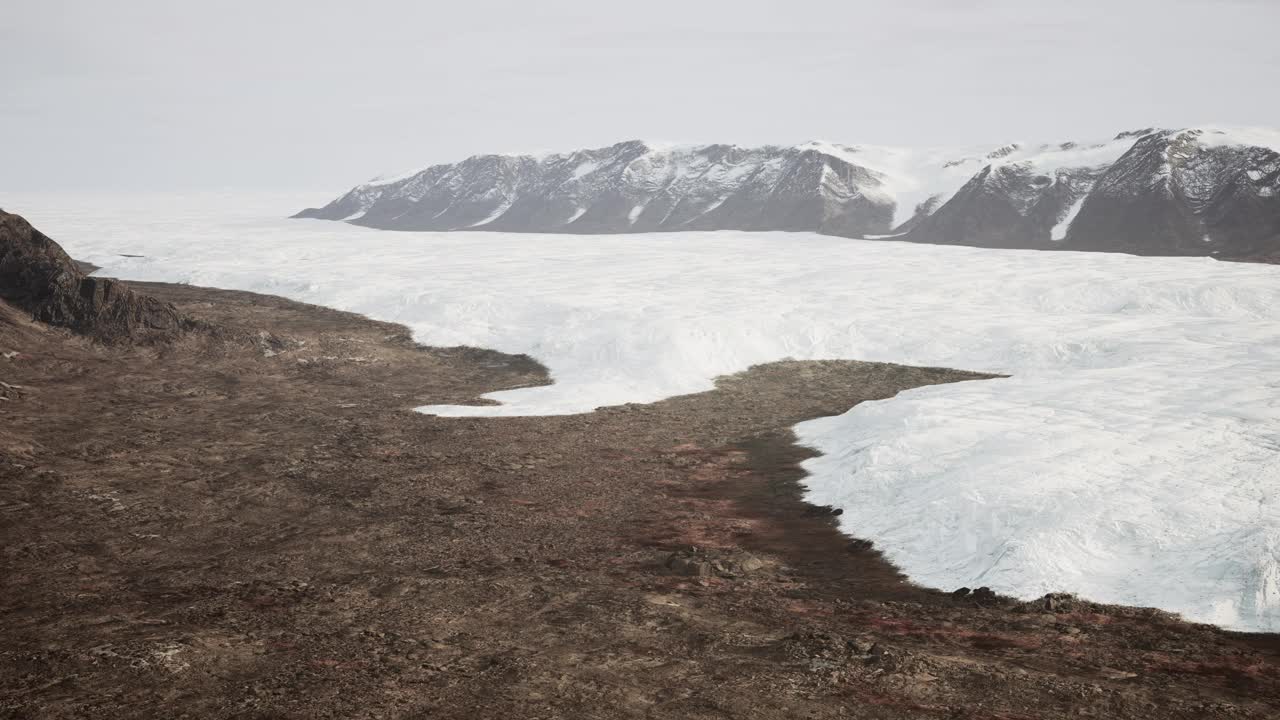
(1189, 192)
(1186, 193)
(38, 277)
(628, 187)
(1159, 192)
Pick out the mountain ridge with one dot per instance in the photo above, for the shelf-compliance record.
(1162, 192)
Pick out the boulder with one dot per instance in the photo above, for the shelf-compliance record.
(709, 563)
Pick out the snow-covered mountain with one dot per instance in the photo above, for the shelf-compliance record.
(629, 187)
(1161, 192)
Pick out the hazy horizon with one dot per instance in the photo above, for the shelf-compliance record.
(143, 95)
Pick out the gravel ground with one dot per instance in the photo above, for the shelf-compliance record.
(254, 524)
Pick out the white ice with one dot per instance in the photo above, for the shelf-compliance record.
(1133, 455)
(1241, 136)
(910, 176)
(498, 212)
(586, 168)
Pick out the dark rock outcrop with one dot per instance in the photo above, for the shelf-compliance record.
(1173, 193)
(38, 277)
(1005, 206)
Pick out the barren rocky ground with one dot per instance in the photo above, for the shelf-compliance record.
(253, 523)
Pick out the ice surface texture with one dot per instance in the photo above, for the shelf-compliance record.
(1133, 455)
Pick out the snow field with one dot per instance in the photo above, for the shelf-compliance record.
(1132, 456)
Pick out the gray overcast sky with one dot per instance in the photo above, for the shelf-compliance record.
(309, 94)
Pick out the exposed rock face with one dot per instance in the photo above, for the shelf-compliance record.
(1183, 193)
(38, 277)
(1006, 206)
(1171, 192)
(1155, 192)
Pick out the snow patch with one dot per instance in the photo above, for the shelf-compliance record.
(907, 177)
(1241, 136)
(714, 205)
(1059, 231)
(392, 178)
(497, 213)
(847, 153)
(586, 168)
(910, 177)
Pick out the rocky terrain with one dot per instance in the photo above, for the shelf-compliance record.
(211, 525)
(37, 277)
(1185, 194)
(1157, 192)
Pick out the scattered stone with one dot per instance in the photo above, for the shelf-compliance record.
(706, 563)
(683, 461)
(819, 650)
(985, 596)
(1058, 602)
(689, 565)
(862, 645)
(457, 504)
(982, 596)
(1113, 674)
(271, 344)
(886, 659)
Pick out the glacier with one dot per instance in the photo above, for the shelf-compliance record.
(1132, 455)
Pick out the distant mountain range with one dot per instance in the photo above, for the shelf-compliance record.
(1153, 192)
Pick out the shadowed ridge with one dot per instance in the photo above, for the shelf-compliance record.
(38, 277)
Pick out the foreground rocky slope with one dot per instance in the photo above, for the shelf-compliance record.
(37, 277)
(1161, 192)
(224, 530)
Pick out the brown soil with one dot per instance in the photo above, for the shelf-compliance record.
(229, 528)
